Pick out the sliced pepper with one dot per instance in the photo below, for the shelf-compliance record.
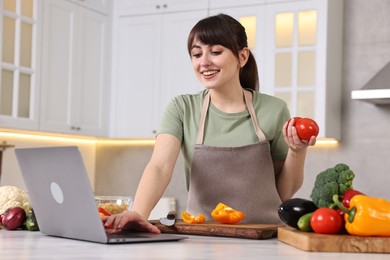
(227, 215)
(104, 213)
(190, 219)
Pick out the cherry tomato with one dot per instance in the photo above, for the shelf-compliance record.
(348, 195)
(306, 128)
(326, 221)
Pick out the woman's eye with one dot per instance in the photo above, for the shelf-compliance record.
(216, 52)
(196, 55)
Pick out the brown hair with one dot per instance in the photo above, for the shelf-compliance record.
(224, 30)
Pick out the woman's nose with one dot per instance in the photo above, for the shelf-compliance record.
(205, 60)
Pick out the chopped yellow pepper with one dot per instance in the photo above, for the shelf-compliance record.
(190, 219)
(227, 215)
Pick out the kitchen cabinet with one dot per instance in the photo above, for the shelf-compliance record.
(103, 6)
(76, 43)
(140, 7)
(297, 45)
(303, 60)
(151, 66)
(216, 4)
(20, 35)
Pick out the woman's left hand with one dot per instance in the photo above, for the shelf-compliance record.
(292, 139)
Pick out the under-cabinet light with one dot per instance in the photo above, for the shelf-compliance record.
(75, 139)
(321, 142)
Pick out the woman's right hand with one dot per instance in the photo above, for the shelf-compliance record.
(129, 220)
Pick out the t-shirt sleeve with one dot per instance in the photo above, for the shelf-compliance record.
(279, 148)
(171, 121)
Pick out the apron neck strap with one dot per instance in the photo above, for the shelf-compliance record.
(251, 110)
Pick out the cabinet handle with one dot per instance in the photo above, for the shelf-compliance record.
(76, 128)
(165, 5)
(157, 6)
(154, 131)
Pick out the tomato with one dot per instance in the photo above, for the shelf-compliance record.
(306, 128)
(326, 221)
(348, 195)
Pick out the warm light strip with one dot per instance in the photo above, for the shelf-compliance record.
(135, 142)
(326, 142)
(47, 138)
(84, 140)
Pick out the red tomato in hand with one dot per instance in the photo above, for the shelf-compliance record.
(306, 128)
(326, 221)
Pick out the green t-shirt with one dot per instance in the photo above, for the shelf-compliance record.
(181, 119)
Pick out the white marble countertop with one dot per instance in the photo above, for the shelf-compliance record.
(34, 245)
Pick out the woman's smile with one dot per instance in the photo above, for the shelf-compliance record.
(209, 73)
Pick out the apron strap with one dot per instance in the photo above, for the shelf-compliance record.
(251, 110)
(203, 113)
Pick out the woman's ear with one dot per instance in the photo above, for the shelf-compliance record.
(243, 56)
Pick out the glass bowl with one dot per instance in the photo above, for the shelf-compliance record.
(114, 204)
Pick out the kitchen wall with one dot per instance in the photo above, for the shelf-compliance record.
(365, 142)
(11, 175)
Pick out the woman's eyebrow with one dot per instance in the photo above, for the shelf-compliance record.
(195, 47)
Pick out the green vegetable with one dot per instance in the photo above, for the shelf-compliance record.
(31, 222)
(332, 181)
(304, 222)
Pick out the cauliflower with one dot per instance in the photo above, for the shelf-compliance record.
(11, 196)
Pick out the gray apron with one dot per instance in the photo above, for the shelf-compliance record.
(241, 177)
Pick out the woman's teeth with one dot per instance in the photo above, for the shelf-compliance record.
(208, 73)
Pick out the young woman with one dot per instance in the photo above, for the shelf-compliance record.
(238, 144)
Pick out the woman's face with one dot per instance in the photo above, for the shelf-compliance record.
(215, 65)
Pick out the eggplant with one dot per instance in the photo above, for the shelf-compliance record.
(291, 210)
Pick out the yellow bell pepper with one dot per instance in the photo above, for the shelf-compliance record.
(190, 219)
(225, 214)
(367, 216)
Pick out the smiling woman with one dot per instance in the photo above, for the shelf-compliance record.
(239, 150)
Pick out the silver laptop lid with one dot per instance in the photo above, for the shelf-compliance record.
(60, 192)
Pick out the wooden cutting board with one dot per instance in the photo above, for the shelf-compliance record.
(310, 241)
(250, 231)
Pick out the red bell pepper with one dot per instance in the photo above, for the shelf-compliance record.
(104, 213)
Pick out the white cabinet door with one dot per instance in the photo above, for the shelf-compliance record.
(137, 76)
(103, 6)
(152, 66)
(74, 74)
(138, 7)
(216, 4)
(303, 57)
(91, 79)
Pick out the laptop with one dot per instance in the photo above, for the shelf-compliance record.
(62, 197)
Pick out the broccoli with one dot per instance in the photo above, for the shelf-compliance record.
(332, 181)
